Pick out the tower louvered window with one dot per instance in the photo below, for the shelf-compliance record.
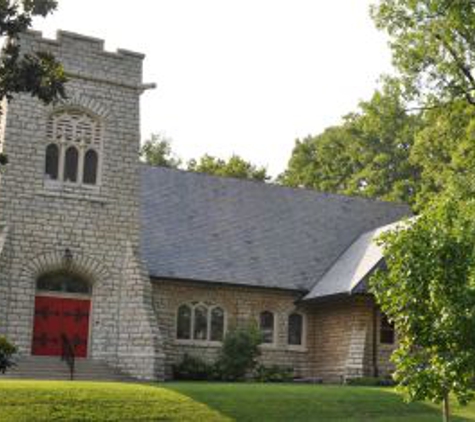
(74, 146)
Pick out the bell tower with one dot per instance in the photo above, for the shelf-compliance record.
(69, 203)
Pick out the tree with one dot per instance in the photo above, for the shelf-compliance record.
(433, 47)
(428, 292)
(367, 155)
(157, 151)
(235, 167)
(38, 74)
(444, 149)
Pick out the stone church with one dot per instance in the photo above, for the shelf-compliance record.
(136, 265)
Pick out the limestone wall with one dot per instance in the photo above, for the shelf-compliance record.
(242, 305)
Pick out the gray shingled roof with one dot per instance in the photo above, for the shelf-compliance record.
(216, 229)
(353, 266)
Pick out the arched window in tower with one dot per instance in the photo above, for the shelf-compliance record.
(52, 162)
(71, 165)
(74, 148)
(90, 167)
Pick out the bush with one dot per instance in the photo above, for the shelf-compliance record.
(193, 368)
(239, 353)
(7, 350)
(274, 373)
(371, 382)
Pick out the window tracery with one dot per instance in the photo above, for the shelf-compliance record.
(73, 152)
(200, 322)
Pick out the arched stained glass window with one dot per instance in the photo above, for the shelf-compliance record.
(90, 167)
(71, 165)
(266, 324)
(217, 324)
(295, 330)
(52, 162)
(200, 323)
(183, 328)
(74, 147)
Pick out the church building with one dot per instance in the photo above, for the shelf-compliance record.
(135, 266)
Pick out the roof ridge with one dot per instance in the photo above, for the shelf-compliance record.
(272, 185)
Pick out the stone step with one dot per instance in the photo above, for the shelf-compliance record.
(39, 367)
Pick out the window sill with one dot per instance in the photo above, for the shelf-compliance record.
(283, 348)
(198, 343)
(71, 191)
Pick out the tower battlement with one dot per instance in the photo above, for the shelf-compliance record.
(85, 57)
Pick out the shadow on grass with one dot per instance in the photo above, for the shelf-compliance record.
(296, 402)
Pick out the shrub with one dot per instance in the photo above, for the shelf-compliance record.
(239, 353)
(371, 381)
(7, 350)
(193, 368)
(274, 373)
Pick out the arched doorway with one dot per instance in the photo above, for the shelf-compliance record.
(62, 309)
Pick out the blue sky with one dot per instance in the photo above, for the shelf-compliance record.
(245, 77)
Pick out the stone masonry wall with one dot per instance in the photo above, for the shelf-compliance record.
(97, 224)
(242, 305)
(342, 340)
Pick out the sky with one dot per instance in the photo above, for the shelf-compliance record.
(244, 77)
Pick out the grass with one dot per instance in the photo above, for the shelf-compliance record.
(94, 401)
(208, 402)
(289, 402)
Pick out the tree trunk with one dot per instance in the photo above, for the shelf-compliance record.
(445, 408)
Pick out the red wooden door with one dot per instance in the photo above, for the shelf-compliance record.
(56, 316)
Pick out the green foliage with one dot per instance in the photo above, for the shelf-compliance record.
(367, 155)
(7, 350)
(371, 382)
(239, 352)
(38, 73)
(444, 149)
(194, 368)
(157, 151)
(432, 45)
(274, 373)
(235, 167)
(428, 292)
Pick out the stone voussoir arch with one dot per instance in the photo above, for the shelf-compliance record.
(80, 264)
(84, 103)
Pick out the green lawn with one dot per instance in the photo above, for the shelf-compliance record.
(36, 401)
(321, 403)
(187, 401)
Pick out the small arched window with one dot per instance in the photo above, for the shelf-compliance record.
(183, 330)
(217, 324)
(64, 282)
(386, 333)
(295, 330)
(52, 162)
(71, 165)
(266, 325)
(90, 167)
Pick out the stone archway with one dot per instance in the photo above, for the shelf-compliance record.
(74, 296)
(62, 314)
